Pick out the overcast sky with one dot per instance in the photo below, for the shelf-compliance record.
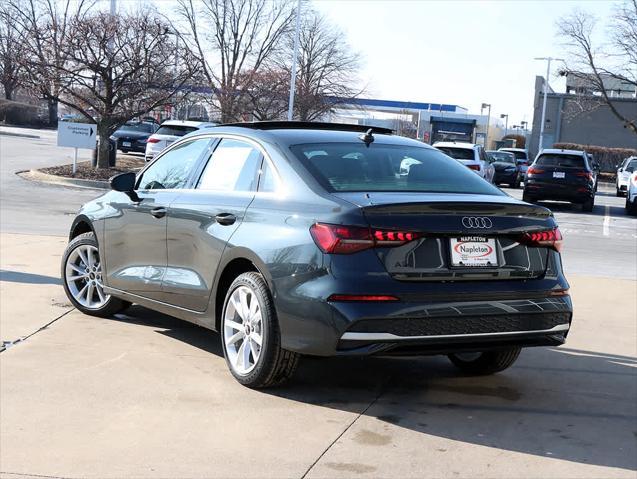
(458, 52)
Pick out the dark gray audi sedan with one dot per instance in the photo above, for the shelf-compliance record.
(295, 239)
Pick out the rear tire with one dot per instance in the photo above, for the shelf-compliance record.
(527, 198)
(516, 184)
(249, 318)
(588, 205)
(82, 279)
(488, 362)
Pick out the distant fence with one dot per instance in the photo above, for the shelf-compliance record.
(608, 158)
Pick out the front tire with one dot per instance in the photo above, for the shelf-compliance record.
(82, 278)
(251, 336)
(488, 362)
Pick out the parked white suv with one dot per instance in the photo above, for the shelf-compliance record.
(624, 172)
(469, 154)
(170, 131)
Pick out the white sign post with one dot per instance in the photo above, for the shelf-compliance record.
(77, 135)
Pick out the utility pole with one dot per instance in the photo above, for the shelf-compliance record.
(294, 58)
(546, 91)
(486, 139)
(113, 7)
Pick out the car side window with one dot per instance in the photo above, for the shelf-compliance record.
(233, 166)
(173, 169)
(267, 183)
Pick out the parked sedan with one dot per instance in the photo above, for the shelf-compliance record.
(470, 155)
(624, 172)
(506, 168)
(562, 175)
(631, 194)
(522, 159)
(132, 136)
(169, 132)
(296, 239)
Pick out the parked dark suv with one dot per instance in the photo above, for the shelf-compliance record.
(562, 175)
(298, 239)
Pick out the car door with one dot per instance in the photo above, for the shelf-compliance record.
(135, 232)
(202, 220)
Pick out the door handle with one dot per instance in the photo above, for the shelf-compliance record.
(158, 212)
(225, 219)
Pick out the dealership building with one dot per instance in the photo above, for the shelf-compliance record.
(579, 116)
(429, 122)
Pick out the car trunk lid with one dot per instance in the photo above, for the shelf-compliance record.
(443, 222)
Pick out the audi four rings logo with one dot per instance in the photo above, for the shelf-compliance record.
(481, 222)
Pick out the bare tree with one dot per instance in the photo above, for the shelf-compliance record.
(596, 66)
(242, 34)
(327, 67)
(110, 68)
(12, 49)
(267, 96)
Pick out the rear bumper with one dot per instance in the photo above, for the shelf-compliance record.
(572, 193)
(505, 177)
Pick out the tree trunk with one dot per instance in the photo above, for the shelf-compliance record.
(53, 112)
(8, 92)
(103, 147)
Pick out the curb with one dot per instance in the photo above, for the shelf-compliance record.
(36, 175)
(19, 135)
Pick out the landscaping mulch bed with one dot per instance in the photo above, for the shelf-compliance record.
(86, 172)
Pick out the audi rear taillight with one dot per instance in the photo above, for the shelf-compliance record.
(474, 167)
(534, 171)
(584, 174)
(339, 239)
(153, 140)
(548, 239)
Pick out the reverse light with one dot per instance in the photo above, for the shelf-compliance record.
(549, 239)
(362, 297)
(534, 171)
(339, 239)
(153, 140)
(584, 174)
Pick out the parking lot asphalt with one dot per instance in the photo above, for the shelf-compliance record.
(145, 395)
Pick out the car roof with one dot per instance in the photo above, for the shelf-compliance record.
(558, 151)
(305, 134)
(453, 144)
(521, 150)
(196, 124)
(499, 151)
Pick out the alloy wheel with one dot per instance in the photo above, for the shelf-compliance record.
(83, 275)
(243, 330)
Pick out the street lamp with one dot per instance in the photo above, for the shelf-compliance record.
(294, 58)
(486, 105)
(506, 123)
(546, 91)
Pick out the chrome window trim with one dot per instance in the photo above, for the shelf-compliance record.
(355, 336)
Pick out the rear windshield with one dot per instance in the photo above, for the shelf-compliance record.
(502, 156)
(348, 167)
(139, 127)
(519, 155)
(561, 161)
(457, 153)
(175, 130)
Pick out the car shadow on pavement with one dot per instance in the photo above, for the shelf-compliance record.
(598, 210)
(559, 403)
(28, 278)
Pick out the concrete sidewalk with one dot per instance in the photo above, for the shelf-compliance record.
(146, 396)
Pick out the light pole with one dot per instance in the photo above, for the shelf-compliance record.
(294, 58)
(486, 139)
(506, 123)
(546, 91)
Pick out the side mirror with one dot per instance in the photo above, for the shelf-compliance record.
(630, 169)
(124, 182)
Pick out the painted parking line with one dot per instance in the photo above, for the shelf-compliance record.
(606, 227)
